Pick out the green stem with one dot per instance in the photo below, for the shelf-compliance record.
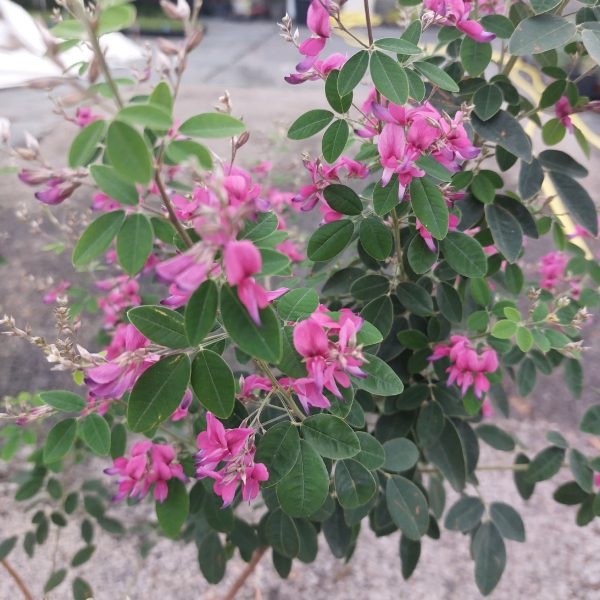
(282, 393)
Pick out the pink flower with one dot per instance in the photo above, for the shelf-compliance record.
(552, 269)
(253, 383)
(127, 360)
(487, 410)
(317, 18)
(288, 248)
(84, 116)
(57, 192)
(456, 13)
(51, 295)
(123, 293)
(234, 449)
(397, 158)
(467, 368)
(331, 355)
(182, 410)
(563, 109)
(150, 464)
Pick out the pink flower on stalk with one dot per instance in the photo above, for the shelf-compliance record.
(456, 13)
(150, 465)
(84, 116)
(123, 293)
(320, 69)
(331, 355)
(127, 360)
(182, 410)
(552, 269)
(233, 450)
(242, 259)
(57, 192)
(102, 202)
(253, 383)
(397, 157)
(563, 109)
(467, 368)
(51, 295)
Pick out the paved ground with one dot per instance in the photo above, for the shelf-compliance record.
(559, 561)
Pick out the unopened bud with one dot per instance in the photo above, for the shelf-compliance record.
(194, 39)
(167, 47)
(179, 11)
(242, 140)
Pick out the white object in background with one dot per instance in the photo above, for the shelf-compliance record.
(23, 51)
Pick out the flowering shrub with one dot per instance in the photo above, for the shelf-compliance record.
(347, 383)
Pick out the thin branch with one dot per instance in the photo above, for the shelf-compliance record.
(239, 582)
(20, 583)
(187, 240)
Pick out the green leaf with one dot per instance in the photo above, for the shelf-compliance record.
(553, 131)
(430, 208)
(407, 506)
(372, 454)
(389, 77)
(330, 436)
(465, 514)
(524, 486)
(84, 146)
(410, 552)
(6, 546)
(160, 325)
(591, 41)
(111, 183)
(415, 298)
(115, 18)
(161, 96)
(531, 177)
(590, 422)
(448, 455)
(282, 534)
(147, 115)
(508, 521)
(524, 339)
(381, 379)
(449, 302)
(98, 236)
(433, 168)
(495, 437)
(83, 555)
(504, 329)
(539, 34)
(352, 72)
(475, 56)
(498, 24)
(581, 470)
(128, 153)
(212, 558)
(212, 125)
(95, 433)
(213, 383)
(400, 455)
(380, 312)
(55, 580)
(334, 140)
(420, 257)
(329, 240)
(354, 484)
(376, 238)
(577, 201)
(201, 312)
(430, 424)
(278, 449)
(309, 123)
(63, 400)
(570, 494)
(304, 489)
(81, 589)
(546, 464)
(542, 6)
(298, 304)
(343, 199)
(134, 243)
(464, 254)
(503, 129)
(490, 557)
(506, 231)
(556, 160)
(263, 342)
(179, 151)
(59, 440)
(487, 100)
(397, 45)
(385, 197)
(158, 392)
(340, 104)
(173, 511)
(437, 76)
(261, 228)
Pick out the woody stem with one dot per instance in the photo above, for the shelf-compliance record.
(187, 240)
(239, 582)
(20, 583)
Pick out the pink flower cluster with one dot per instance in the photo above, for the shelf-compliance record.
(456, 13)
(553, 269)
(331, 354)
(150, 464)
(323, 175)
(467, 367)
(85, 115)
(227, 456)
(123, 292)
(127, 358)
(414, 131)
(563, 111)
(311, 67)
(53, 294)
(218, 218)
(59, 185)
